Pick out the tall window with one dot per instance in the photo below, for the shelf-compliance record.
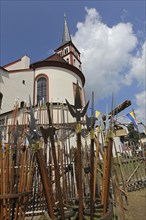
(1, 97)
(41, 89)
(81, 93)
(65, 50)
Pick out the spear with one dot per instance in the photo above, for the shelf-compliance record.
(107, 161)
(118, 109)
(1, 180)
(33, 138)
(15, 180)
(90, 126)
(77, 112)
(51, 132)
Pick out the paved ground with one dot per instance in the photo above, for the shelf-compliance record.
(137, 205)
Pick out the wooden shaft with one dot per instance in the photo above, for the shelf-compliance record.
(1, 180)
(20, 186)
(118, 109)
(92, 181)
(121, 171)
(108, 174)
(104, 175)
(117, 195)
(95, 167)
(79, 175)
(57, 178)
(63, 176)
(45, 181)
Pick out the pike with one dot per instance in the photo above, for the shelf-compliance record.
(104, 164)
(34, 136)
(66, 160)
(50, 133)
(96, 165)
(90, 126)
(118, 109)
(108, 157)
(122, 174)
(15, 183)
(21, 182)
(7, 178)
(1, 180)
(117, 195)
(63, 176)
(77, 112)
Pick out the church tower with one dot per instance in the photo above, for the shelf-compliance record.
(67, 49)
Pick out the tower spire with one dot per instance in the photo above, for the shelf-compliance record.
(67, 49)
(66, 35)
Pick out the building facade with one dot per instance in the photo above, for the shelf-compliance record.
(52, 80)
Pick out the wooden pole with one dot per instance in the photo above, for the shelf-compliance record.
(107, 174)
(117, 195)
(79, 170)
(92, 175)
(45, 181)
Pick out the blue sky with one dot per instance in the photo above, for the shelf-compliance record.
(109, 34)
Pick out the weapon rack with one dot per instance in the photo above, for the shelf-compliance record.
(33, 181)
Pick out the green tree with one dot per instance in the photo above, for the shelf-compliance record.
(133, 135)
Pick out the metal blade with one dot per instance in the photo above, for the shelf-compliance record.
(71, 109)
(78, 102)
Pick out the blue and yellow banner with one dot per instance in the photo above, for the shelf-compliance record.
(131, 116)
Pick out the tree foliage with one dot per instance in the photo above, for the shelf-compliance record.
(133, 135)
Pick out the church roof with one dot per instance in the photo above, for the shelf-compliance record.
(56, 57)
(66, 34)
(57, 61)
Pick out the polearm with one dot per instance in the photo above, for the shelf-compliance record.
(63, 177)
(117, 195)
(77, 112)
(107, 161)
(7, 164)
(118, 109)
(1, 180)
(108, 170)
(33, 140)
(45, 181)
(95, 166)
(20, 185)
(15, 180)
(90, 126)
(121, 173)
(51, 133)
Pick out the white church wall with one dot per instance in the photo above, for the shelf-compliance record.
(23, 63)
(18, 85)
(60, 83)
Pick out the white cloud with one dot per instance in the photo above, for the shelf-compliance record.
(107, 55)
(140, 111)
(138, 69)
(124, 15)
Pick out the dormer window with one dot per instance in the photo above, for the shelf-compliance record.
(60, 53)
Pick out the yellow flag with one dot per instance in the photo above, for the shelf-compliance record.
(97, 114)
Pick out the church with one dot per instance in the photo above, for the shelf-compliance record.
(52, 80)
(47, 153)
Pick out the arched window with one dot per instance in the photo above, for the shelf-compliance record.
(41, 89)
